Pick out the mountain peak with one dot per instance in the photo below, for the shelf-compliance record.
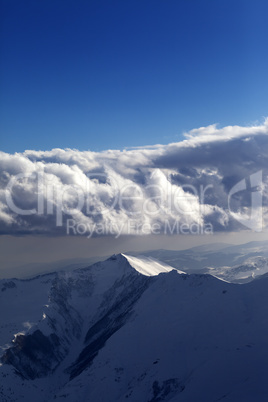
(147, 266)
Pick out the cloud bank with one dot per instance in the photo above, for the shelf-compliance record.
(215, 179)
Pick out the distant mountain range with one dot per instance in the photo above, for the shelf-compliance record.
(237, 264)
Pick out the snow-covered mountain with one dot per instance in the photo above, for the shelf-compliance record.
(132, 328)
(249, 270)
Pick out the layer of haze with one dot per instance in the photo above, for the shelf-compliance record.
(32, 255)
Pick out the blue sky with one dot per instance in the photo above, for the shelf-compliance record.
(114, 74)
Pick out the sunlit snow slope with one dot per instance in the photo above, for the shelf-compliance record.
(149, 266)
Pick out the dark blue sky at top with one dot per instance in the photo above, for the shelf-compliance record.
(118, 73)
